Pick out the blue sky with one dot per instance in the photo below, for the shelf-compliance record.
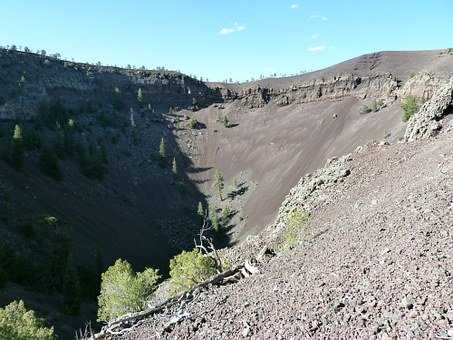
(219, 39)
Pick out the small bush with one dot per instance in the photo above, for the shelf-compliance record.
(296, 222)
(226, 122)
(374, 106)
(365, 109)
(18, 323)
(189, 269)
(410, 107)
(124, 291)
(193, 123)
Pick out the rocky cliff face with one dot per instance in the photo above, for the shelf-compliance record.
(27, 79)
(422, 85)
(381, 86)
(427, 121)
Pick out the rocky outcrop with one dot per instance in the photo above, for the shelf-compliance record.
(426, 122)
(422, 85)
(381, 86)
(307, 193)
(27, 79)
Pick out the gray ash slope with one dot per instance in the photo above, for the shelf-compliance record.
(377, 261)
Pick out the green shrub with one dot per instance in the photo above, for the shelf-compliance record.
(374, 106)
(200, 210)
(174, 167)
(365, 109)
(124, 291)
(18, 323)
(214, 219)
(189, 269)
(226, 122)
(162, 149)
(193, 123)
(410, 107)
(295, 224)
(219, 183)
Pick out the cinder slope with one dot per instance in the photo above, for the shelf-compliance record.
(290, 126)
(377, 261)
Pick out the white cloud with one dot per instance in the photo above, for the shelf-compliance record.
(319, 17)
(317, 49)
(315, 36)
(228, 30)
(294, 6)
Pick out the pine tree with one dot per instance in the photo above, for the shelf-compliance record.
(200, 210)
(214, 219)
(226, 212)
(17, 136)
(219, 183)
(140, 96)
(17, 151)
(162, 151)
(174, 167)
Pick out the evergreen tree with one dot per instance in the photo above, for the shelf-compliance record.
(17, 151)
(214, 219)
(162, 149)
(19, 323)
(124, 291)
(219, 183)
(200, 210)
(189, 269)
(140, 96)
(226, 212)
(174, 167)
(17, 135)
